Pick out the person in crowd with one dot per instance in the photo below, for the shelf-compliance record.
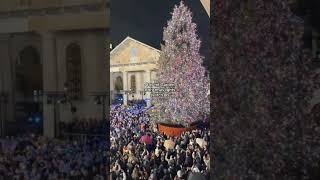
(135, 159)
(38, 158)
(88, 125)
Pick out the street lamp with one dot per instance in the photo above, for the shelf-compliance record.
(3, 101)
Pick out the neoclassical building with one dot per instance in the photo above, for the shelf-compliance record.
(47, 45)
(132, 64)
(206, 5)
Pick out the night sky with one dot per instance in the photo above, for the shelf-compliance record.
(144, 20)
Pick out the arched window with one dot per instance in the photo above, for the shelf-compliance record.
(28, 71)
(118, 84)
(133, 83)
(29, 56)
(74, 80)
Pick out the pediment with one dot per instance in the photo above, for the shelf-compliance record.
(131, 51)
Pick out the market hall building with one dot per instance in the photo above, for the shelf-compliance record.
(132, 64)
(52, 46)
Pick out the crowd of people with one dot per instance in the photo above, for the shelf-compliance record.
(84, 126)
(129, 157)
(37, 158)
(133, 158)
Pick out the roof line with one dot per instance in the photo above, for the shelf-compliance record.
(129, 38)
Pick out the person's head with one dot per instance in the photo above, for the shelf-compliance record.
(152, 176)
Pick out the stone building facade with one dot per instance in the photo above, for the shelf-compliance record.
(132, 64)
(206, 6)
(45, 45)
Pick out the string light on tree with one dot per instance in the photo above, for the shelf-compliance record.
(180, 63)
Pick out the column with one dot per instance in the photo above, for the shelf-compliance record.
(95, 72)
(49, 81)
(141, 83)
(148, 80)
(138, 77)
(7, 111)
(125, 86)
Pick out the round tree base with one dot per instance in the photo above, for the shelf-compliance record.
(174, 130)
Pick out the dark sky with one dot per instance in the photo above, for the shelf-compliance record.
(144, 20)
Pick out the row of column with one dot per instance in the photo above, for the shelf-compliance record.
(139, 82)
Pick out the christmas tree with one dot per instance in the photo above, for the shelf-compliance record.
(181, 64)
(262, 88)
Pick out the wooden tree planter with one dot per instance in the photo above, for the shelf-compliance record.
(173, 130)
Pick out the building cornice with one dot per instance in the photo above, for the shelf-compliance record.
(93, 7)
(133, 64)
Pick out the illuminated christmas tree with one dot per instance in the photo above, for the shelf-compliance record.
(181, 64)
